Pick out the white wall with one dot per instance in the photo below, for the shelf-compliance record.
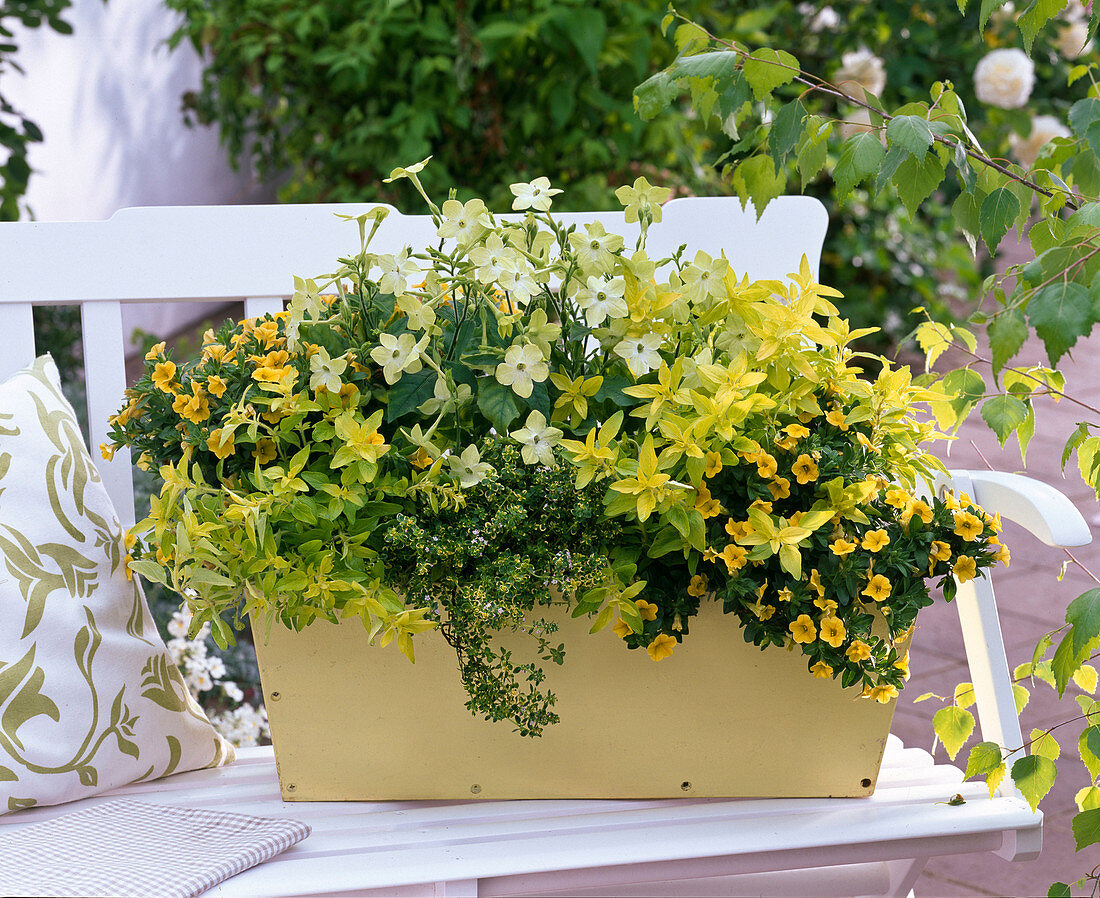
(107, 98)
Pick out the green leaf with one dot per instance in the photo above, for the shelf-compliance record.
(996, 215)
(587, 30)
(1060, 313)
(1003, 414)
(654, 95)
(1086, 828)
(1088, 747)
(1034, 776)
(1075, 439)
(1083, 614)
(1085, 678)
(915, 179)
(755, 178)
(984, 758)
(768, 69)
(988, 7)
(1083, 115)
(1020, 696)
(953, 726)
(910, 132)
(498, 403)
(1007, 333)
(860, 157)
(1044, 744)
(966, 212)
(1058, 890)
(1032, 19)
(787, 128)
(409, 392)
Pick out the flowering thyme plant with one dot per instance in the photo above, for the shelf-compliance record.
(532, 413)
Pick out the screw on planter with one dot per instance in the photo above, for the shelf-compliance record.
(475, 788)
(275, 696)
(291, 787)
(865, 782)
(686, 786)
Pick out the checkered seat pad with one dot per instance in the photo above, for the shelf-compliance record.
(130, 848)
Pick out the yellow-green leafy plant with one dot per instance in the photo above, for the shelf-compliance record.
(532, 414)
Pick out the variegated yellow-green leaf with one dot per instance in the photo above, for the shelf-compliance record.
(953, 726)
(1034, 776)
(1043, 743)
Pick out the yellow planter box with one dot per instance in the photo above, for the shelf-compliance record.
(719, 718)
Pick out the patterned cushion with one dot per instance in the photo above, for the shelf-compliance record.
(89, 697)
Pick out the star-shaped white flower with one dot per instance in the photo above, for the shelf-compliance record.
(522, 368)
(463, 222)
(640, 353)
(538, 440)
(468, 467)
(397, 355)
(602, 299)
(325, 371)
(396, 271)
(537, 195)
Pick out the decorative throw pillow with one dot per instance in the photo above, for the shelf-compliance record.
(89, 697)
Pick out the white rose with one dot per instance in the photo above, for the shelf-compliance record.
(1075, 11)
(860, 69)
(1044, 128)
(1073, 39)
(1004, 78)
(817, 21)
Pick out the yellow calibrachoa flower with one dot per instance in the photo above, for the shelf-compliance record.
(821, 670)
(797, 431)
(780, 488)
(698, 585)
(734, 556)
(940, 551)
(964, 568)
(106, 451)
(220, 442)
(833, 631)
(155, 352)
(968, 526)
(804, 469)
(1002, 555)
(902, 664)
(897, 497)
(884, 693)
(878, 588)
(714, 463)
(647, 610)
(803, 629)
(827, 605)
(164, 375)
(215, 386)
(875, 540)
(738, 529)
(785, 594)
(705, 504)
(661, 647)
(764, 612)
(918, 508)
(837, 419)
(265, 451)
(766, 465)
(842, 547)
(817, 586)
(621, 629)
(858, 651)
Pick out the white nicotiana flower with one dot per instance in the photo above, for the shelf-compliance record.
(640, 353)
(463, 222)
(398, 355)
(704, 277)
(492, 258)
(538, 440)
(602, 299)
(325, 372)
(420, 315)
(519, 284)
(1073, 39)
(1004, 78)
(537, 195)
(468, 467)
(1044, 128)
(596, 249)
(860, 69)
(522, 368)
(396, 271)
(443, 399)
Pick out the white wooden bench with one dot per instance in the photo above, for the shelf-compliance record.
(869, 846)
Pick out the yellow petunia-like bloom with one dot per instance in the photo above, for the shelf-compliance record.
(194, 407)
(916, 508)
(803, 629)
(878, 588)
(220, 442)
(858, 651)
(215, 386)
(164, 375)
(698, 586)
(875, 540)
(884, 693)
(940, 551)
(766, 465)
(968, 526)
(897, 497)
(837, 419)
(706, 504)
(804, 469)
(780, 488)
(265, 451)
(797, 431)
(738, 529)
(108, 452)
(734, 556)
(155, 352)
(826, 605)
(965, 568)
(902, 664)
(661, 647)
(832, 631)
(714, 463)
(842, 547)
(816, 584)
(647, 610)
(764, 612)
(784, 594)
(1002, 555)
(821, 670)
(621, 629)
